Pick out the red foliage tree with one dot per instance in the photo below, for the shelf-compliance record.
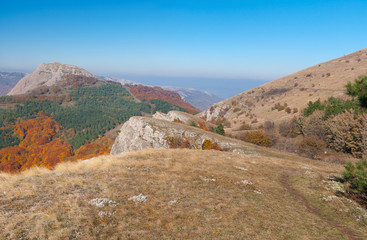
(149, 93)
(38, 146)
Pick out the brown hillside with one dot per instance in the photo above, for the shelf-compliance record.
(285, 97)
(181, 194)
(149, 93)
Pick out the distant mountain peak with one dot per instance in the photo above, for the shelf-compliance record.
(47, 74)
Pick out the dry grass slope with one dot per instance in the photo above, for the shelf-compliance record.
(285, 97)
(189, 195)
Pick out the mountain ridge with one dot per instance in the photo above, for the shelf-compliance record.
(200, 99)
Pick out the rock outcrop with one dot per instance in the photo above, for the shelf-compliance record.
(142, 132)
(177, 116)
(47, 74)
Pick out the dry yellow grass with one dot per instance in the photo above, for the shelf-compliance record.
(320, 81)
(190, 195)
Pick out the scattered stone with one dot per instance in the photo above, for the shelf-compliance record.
(308, 172)
(238, 151)
(257, 192)
(172, 202)
(241, 168)
(102, 202)
(205, 179)
(308, 168)
(333, 186)
(138, 198)
(329, 198)
(106, 214)
(245, 182)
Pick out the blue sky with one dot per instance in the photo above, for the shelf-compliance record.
(224, 46)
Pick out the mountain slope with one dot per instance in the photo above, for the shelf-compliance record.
(47, 74)
(149, 93)
(285, 97)
(181, 194)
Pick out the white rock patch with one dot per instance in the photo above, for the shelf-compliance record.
(102, 202)
(205, 179)
(138, 198)
(241, 168)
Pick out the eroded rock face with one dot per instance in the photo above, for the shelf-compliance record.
(142, 132)
(215, 112)
(175, 115)
(47, 74)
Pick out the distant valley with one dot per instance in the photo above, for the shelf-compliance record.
(8, 80)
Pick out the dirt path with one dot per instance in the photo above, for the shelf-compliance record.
(350, 234)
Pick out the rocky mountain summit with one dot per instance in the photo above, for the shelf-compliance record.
(47, 74)
(285, 97)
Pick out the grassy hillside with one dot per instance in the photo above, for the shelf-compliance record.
(181, 194)
(284, 98)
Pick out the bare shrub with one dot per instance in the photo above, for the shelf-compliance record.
(178, 142)
(286, 144)
(311, 147)
(289, 128)
(258, 137)
(268, 125)
(210, 145)
(314, 125)
(271, 131)
(344, 133)
(245, 126)
(276, 91)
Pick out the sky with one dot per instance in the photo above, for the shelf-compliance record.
(225, 47)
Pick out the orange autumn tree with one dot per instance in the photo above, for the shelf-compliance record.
(38, 146)
(101, 146)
